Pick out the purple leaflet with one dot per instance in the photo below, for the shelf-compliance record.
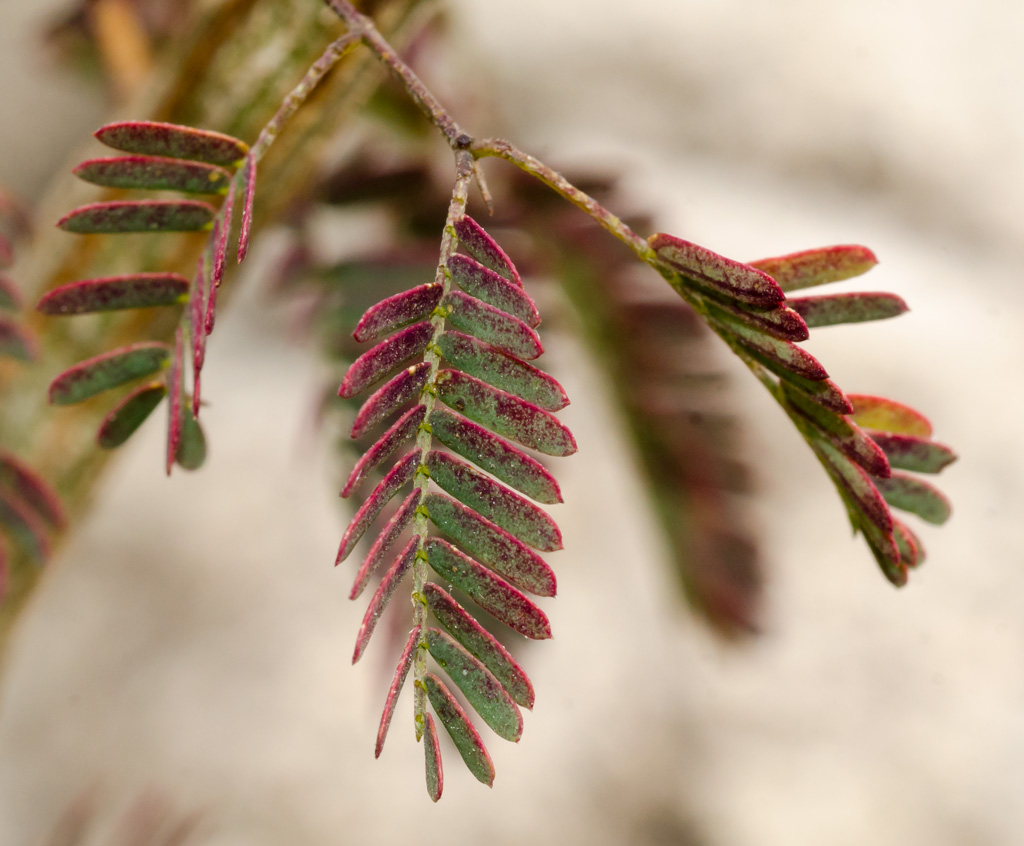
(491, 325)
(432, 757)
(121, 423)
(175, 400)
(478, 684)
(907, 452)
(886, 415)
(917, 496)
(495, 455)
(29, 487)
(504, 413)
(108, 370)
(385, 590)
(502, 370)
(397, 682)
(817, 267)
(197, 323)
(24, 526)
(484, 284)
(845, 435)
(390, 397)
(398, 311)
(475, 241)
(155, 173)
(404, 428)
(847, 308)
(715, 273)
(487, 589)
(493, 546)
(174, 141)
(826, 393)
(868, 510)
(782, 322)
(480, 643)
(127, 216)
(398, 476)
(385, 540)
(223, 234)
(460, 729)
(10, 296)
(15, 341)
(789, 358)
(137, 290)
(512, 512)
(382, 359)
(906, 543)
(249, 175)
(6, 251)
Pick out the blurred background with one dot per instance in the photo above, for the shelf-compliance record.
(192, 641)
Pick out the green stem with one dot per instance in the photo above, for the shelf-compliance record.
(424, 439)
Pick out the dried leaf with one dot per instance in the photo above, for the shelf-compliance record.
(398, 523)
(907, 452)
(819, 266)
(501, 370)
(403, 429)
(385, 590)
(491, 325)
(847, 308)
(460, 729)
(493, 546)
(121, 423)
(384, 358)
(124, 216)
(173, 141)
(432, 753)
(397, 477)
(484, 284)
(480, 642)
(484, 692)
(514, 513)
(155, 173)
(716, 273)
(398, 311)
(917, 496)
(886, 415)
(495, 455)
(504, 413)
(137, 290)
(475, 241)
(390, 397)
(487, 589)
(108, 370)
(397, 682)
(15, 341)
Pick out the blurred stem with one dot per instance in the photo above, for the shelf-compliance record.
(209, 79)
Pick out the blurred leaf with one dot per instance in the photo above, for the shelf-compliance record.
(174, 141)
(819, 266)
(847, 308)
(108, 370)
(125, 216)
(886, 415)
(16, 341)
(154, 173)
(907, 452)
(139, 290)
(121, 423)
(916, 496)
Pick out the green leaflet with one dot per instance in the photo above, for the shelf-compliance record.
(174, 141)
(483, 691)
(155, 173)
(133, 216)
(129, 414)
(106, 371)
(460, 729)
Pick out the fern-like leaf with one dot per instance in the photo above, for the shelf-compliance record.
(496, 405)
